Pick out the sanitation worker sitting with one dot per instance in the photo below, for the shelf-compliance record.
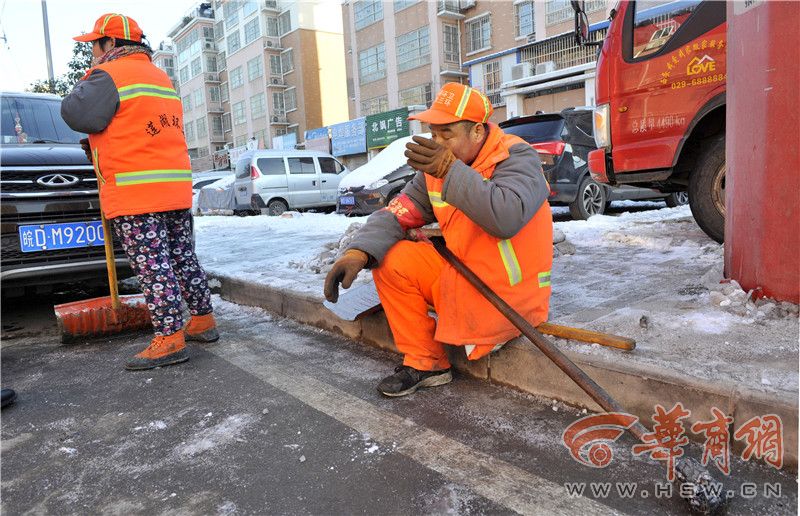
(487, 191)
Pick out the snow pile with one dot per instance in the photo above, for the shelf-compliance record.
(387, 161)
(323, 262)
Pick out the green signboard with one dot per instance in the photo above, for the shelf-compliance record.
(384, 128)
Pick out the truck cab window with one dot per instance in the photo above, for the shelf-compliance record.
(655, 22)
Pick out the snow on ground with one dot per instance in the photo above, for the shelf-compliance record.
(651, 275)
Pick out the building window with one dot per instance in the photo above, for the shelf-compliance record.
(275, 65)
(254, 68)
(236, 77)
(558, 11)
(184, 74)
(372, 64)
(251, 31)
(188, 130)
(198, 98)
(452, 45)
(213, 93)
(202, 152)
(211, 64)
(413, 49)
(230, 11)
(479, 34)
(280, 131)
(290, 99)
(418, 95)
(367, 12)
(249, 7)
(492, 78)
(223, 92)
(272, 27)
(196, 67)
(202, 132)
(187, 103)
(208, 32)
(258, 106)
(523, 12)
(234, 43)
(399, 5)
(278, 107)
(374, 105)
(216, 125)
(285, 22)
(287, 63)
(238, 113)
(240, 141)
(221, 63)
(226, 122)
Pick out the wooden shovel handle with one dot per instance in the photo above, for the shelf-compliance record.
(594, 337)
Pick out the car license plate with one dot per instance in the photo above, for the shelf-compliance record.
(348, 200)
(67, 235)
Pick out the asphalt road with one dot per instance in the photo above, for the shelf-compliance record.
(278, 418)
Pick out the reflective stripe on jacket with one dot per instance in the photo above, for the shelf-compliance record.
(141, 156)
(516, 268)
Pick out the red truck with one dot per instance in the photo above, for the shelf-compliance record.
(660, 95)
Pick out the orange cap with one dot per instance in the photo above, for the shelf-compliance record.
(113, 25)
(456, 102)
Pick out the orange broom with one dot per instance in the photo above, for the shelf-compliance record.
(103, 315)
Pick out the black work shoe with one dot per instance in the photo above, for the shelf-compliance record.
(406, 380)
(138, 363)
(7, 397)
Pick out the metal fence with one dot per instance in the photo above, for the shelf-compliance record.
(561, 50)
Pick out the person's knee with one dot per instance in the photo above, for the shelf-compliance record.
(398, 261)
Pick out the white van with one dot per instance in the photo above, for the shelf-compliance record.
(279, 180)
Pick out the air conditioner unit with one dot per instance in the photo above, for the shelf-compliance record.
(546, 67)
(467, 4)
(275, 118)
(209, 45)
(269, 43)
(276, 80)
(520, 71)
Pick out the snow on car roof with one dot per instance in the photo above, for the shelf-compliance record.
(387, 161)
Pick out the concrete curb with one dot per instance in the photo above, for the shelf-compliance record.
(522, 366)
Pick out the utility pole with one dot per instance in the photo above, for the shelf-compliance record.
(47, 48)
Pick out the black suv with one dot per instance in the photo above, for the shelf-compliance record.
(563, 141)
(49, 209)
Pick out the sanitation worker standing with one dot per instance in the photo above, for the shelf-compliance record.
(134, 120)
(487, 191)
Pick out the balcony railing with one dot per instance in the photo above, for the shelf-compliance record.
(496, 99)
(214, 106)
(446, 68)
(561, 50)
(449, 9)
(270, 5)
(276, 82)
(212, 77)
(279, 118)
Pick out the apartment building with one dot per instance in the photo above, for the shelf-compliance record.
(400, 53)
(282, 68)
(199, 84)
(164, 58)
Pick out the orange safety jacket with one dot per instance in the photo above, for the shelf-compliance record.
(517, 268)
(141, 159)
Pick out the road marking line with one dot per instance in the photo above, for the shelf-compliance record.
(490, 477)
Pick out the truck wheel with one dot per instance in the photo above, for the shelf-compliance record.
(707, 190)
(676, 199)
(591, 200)
(276, 207)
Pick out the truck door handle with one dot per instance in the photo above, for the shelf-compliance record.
(314, 183)
(324, 180)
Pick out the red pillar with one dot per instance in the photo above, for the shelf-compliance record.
(762, 225)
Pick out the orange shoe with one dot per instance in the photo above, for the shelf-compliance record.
(202, 328)
(163, 350)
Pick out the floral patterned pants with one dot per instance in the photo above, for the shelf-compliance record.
(160, 249)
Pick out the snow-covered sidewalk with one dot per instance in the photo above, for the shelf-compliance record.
(650, 275)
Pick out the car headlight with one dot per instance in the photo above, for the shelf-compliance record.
(602, 126)
(377, 184)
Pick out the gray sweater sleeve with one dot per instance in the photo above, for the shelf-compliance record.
(503, 204)
(91, 104)
(382, 229)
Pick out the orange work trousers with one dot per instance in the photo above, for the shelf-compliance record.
(408, 283)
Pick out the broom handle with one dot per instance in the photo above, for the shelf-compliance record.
(589, 386)
(111, 265)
